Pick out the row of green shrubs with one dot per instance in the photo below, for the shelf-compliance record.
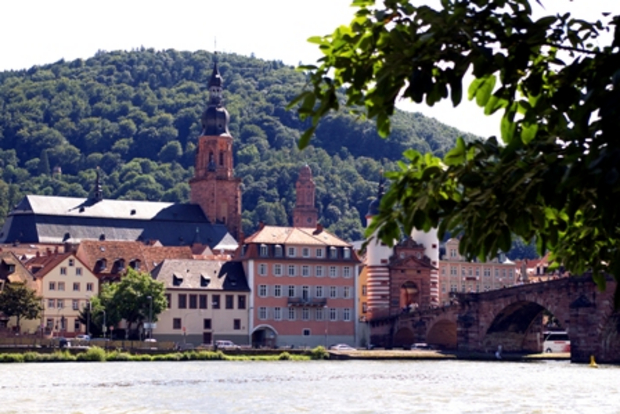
(98, 354)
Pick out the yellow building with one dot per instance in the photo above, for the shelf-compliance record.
(459, 275)
(66, 286)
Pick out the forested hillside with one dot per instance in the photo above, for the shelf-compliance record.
(136, 116)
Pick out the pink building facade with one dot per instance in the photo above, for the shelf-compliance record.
(304, 283)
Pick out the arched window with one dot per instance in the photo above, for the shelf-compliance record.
(221, 157)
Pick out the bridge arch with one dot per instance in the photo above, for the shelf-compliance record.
(443, 334)
(403, 338)
(518, 326)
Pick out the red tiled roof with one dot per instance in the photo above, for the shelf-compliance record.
(115, 252)
(295, 236)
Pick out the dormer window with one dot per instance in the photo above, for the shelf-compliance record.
(264, 252)
(333, 253)
(135, 264)
(101, 265)
(204, 281)
(176, 280)
(119, 265)
(278, 250)
(346, 252)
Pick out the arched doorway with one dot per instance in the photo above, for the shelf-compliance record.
(409, 296)
(264, 336)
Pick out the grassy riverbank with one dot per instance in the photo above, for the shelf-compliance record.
(96, 354)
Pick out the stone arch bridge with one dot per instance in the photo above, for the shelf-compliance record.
(512, 317)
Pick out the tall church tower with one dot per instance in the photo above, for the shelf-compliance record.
(214, 186)
(305, 214)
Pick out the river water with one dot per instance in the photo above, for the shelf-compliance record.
(309, 387)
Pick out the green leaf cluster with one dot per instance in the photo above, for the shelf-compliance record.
(135, 298)
(19, 301)
(553, 177)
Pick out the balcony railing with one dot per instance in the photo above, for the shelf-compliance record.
(307, 302)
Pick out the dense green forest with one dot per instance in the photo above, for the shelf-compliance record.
(136, 116)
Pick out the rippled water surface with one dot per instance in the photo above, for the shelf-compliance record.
(309, 387)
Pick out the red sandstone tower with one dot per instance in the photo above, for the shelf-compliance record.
(305, 214)
(214, 186)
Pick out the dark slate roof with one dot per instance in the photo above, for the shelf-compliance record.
(45, 219)
(221, 275)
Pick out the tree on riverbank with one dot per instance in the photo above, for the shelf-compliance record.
(135, 298)
(18, 300)
(552, 175)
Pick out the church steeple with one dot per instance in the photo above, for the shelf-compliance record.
(305, 213)
(373, 207)
(215, 86)
(214, 186)
(215, 117)
(97, 190)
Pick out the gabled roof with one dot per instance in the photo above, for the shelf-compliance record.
(19, 274)
(117, 209)
(190, 274)
(40, 266)
(295, 236)
(411, 261)
(45, 219)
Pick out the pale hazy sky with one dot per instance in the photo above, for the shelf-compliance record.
(35, 32)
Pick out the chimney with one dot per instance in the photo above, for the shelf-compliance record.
(49, 251)
(38, 254)
(56, 250)
(261, 225)
(319, 228)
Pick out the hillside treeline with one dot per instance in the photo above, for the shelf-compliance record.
(136, 116)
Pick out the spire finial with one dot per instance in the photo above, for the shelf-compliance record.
(97, 191)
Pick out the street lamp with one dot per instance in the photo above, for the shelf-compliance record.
(250, 320)
(104, 328)
(90, 309)
(150, 298)
(325, 316)
(184, 327)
